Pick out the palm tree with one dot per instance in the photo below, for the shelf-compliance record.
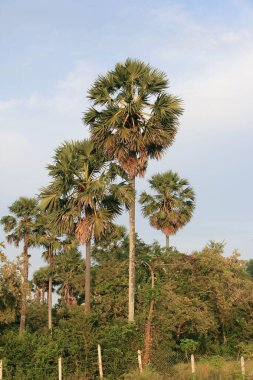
(19, 227)
(46, 238)
(132, 119)
(172, 205)
(82, 197)
(40, 281)
(68, 275)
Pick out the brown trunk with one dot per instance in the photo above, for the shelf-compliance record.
(87, 277)
(38, 295)
(148, 327)
(50, 288)
(25, 286)
(43, 294)
(179, 330)
(167, 241)
(131, 255)
(66, 294)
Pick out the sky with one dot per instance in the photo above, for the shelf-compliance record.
(52, 51)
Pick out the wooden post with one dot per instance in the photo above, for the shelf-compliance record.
(100, 364)
(59, 368)
(193, 364)
(243, 367)
(1, 370)
(140, 361)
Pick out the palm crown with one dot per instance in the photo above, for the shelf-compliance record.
(20, 223)
(172, 205)
(132, 117)
(82, 196)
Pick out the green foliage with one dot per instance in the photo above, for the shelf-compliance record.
(215, 361)
(246, 349)
(10, 283)
(82, 197)
(188, 346)
(198, 299)
(249, 267)
(172, 205)
(20, 223)
(132, 117)
(69, 275)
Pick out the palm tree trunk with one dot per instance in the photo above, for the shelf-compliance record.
(25, 286)
(131, 254)
(167, 241)
(87, 277)
(50, 288)
(148, 327)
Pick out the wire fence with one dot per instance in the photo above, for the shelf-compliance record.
(108, 364)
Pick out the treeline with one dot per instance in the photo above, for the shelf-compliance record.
(200, 302)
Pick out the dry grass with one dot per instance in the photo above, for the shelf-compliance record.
(215, 368)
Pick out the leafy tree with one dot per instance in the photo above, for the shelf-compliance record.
(110, 274)
(132, 119)
(82, 197)
(172, 205)
(188, 346)
(19, 226)
(10, 284)
(154, 261)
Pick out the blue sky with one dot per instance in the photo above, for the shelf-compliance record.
(51, 51)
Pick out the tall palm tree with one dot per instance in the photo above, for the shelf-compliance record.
(82, 197)
(132, 119)
(172, 205)
(19, 226)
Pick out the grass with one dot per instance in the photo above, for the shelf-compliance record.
(216, 368)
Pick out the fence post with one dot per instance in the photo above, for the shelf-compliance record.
(243, 367)
(59, 368)
(193, 364)
(1, 370)
(100, 364)
(140, 361)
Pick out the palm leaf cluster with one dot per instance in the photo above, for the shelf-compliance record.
(20, 222)
(82, 196)
(132, 117)
(172, 204)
